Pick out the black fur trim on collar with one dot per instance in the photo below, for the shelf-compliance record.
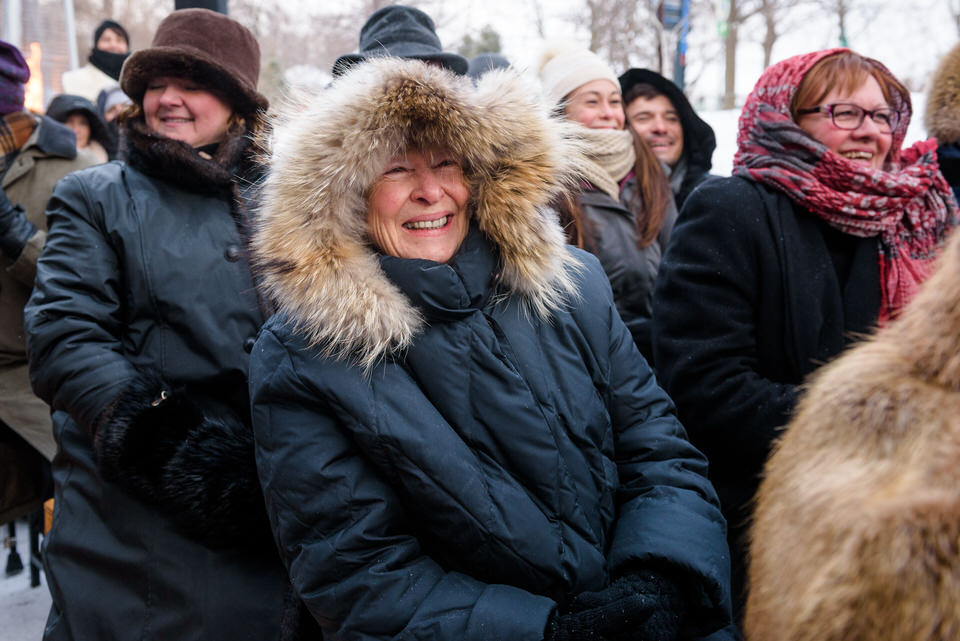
(181, 164)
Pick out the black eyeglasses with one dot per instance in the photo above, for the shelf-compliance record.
(847, 116)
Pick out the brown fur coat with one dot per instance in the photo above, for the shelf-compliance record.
(857, 526)
(942, 114)
(310, 243)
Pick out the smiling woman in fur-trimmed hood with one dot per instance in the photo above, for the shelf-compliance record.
(456, 436)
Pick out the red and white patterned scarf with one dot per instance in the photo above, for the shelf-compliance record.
(909, 205)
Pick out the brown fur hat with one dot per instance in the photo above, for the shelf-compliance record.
(310, 244)
(215, 51)
(942, 114)
(856, 533)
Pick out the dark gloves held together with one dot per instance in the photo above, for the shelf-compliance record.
(641, 606)
(15, 229)
(186, 452)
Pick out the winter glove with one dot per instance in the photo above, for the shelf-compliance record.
(15, 229)
(182, 450)
(662, 619)
(614, 613)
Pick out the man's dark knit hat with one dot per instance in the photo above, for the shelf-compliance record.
(215, 51)
(113, 26)
(401, 32)
(14, 74)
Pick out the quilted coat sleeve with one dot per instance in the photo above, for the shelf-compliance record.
(669, 516)
(341, 529)
(708, 306)
(73, 319)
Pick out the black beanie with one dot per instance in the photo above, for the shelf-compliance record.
(110, 24)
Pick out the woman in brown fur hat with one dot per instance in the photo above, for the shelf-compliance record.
(456, 436)
(858, 520)
(139, 330)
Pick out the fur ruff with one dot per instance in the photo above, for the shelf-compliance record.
(310, 244)
(857, 521)
(942, 114)
(179, 163)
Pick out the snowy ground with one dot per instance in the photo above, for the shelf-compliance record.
(23, 610)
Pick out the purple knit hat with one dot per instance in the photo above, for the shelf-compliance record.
(14, 74)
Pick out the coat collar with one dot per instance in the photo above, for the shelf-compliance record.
(447, 291)
(53, 139)
(181, 164)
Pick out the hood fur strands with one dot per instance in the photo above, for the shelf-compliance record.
(942, 114)
(310, 244)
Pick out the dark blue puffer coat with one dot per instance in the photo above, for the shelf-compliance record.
(498, 467)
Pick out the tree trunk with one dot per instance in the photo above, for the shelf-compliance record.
(769, 37)
(842, 21)
(730, 58)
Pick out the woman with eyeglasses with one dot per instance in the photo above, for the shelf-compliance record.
(824, 231)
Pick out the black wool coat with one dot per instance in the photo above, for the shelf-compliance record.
(499, 465)
(140, 275)
(748, 302)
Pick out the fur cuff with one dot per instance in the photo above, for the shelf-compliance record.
(167, 448)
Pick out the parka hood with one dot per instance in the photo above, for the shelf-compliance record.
(310, 244)
(942, 114)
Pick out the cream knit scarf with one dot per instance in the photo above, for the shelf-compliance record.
(611, 157)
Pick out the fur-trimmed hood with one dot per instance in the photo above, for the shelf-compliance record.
(942, 114)
(310, 243)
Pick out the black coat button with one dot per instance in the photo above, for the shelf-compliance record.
(248, 344)
(232, 253)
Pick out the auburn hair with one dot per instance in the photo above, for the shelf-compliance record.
(845, 71)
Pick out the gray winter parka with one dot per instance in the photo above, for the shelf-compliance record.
(632, 271)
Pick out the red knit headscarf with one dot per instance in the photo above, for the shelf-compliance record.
(908, 204)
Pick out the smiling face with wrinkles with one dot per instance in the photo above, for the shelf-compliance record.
(418, 206)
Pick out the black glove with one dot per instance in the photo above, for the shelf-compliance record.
(15, 229)
(665, 605)
(616, 612)
(183, 450)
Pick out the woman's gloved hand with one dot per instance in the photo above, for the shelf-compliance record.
(184, 450)
(637, 606)
(140, 432)
(15, 229)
